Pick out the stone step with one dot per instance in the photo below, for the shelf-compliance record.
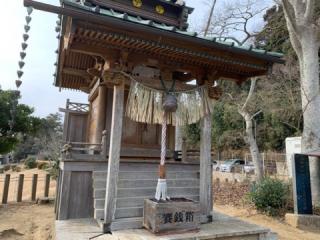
(136, 192)
(133, 183)
(147, 175)
(133, 201)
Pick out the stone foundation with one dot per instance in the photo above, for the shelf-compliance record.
(303, 221)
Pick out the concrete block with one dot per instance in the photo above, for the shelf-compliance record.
(303, 221)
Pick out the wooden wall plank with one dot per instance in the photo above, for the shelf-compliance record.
(63, 205)
(81, 195)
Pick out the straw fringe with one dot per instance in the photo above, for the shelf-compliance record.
(144, 104)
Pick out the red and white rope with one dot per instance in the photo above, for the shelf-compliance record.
(163, 139)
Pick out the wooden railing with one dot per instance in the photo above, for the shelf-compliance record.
(81, 150)
(78, 107)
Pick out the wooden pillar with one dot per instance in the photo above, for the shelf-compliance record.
(114, 155)
(34, 187)
(47, 185)
(101, 118)
(205, 170)
(66, 134)
(5, 189)
(20, 187)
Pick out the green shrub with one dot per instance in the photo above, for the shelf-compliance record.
(42, 165)
(30, 162)
(15, 168)
(54, 169)
(6, 167)
(270, 196)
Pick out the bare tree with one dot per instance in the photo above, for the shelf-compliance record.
(212, 4)
(234, 24)
(303, 22)
(236, 20)
(250, 136)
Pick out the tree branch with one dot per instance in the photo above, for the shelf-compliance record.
(252, 87)
(310, 5)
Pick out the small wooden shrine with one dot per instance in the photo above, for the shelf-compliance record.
(109, 162)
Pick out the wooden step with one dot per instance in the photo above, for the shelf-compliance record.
(100, 175)
(175, 191)
(98, 214)
(124, 223)
(129, 212)
(120, 213)
(149, 192)
(146, 167)
(134, 201)
(133, 183)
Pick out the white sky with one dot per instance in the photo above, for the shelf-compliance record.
(37, 89)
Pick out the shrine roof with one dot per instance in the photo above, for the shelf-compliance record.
(110, 13)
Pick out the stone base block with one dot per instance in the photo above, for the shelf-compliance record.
(303, 221)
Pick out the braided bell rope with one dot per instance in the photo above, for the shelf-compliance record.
(163, 139)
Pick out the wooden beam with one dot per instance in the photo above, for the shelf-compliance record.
(140, 58)
(205, 170)
(183, 77)
(68, 34)
(103, 52)
(77, 73)
(114, 155)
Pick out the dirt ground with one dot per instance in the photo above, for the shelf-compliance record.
(26, 221)
(285, 231)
